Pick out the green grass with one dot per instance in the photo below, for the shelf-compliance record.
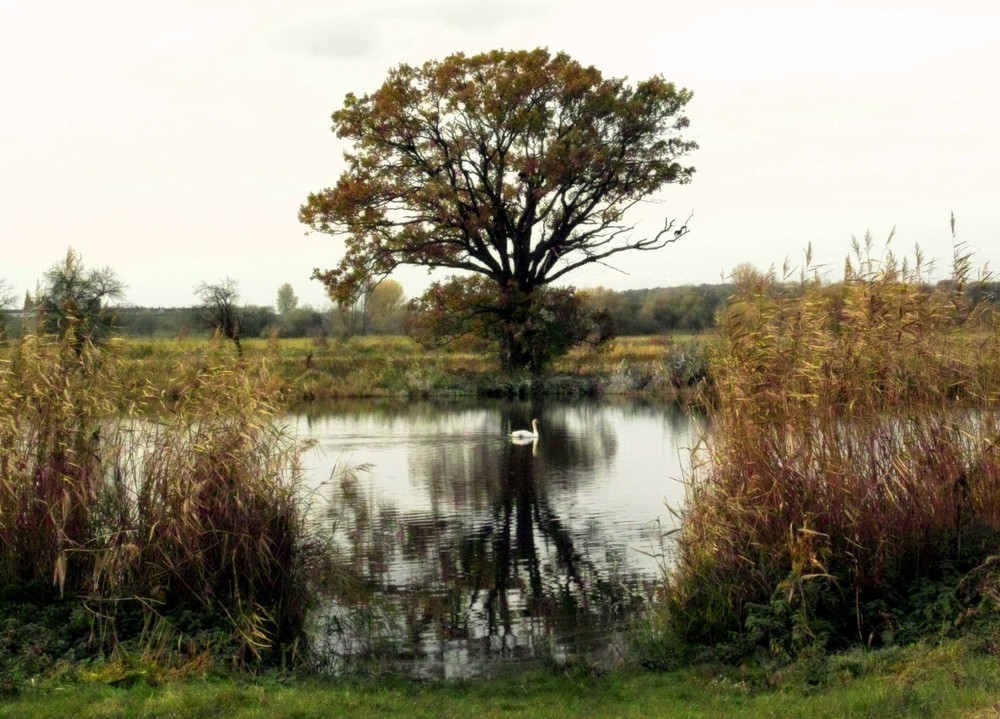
(952, 679)
(396, 366)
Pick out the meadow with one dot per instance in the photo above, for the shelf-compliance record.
(397, 366)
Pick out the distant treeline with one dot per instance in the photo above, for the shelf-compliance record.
(693, 308)
(688, 308)
(660, 310)
(633, 312)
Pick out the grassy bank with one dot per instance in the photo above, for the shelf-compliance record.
(956, 678)
(399, 367)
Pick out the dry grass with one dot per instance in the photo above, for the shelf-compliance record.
(394, 366)
(856, 454)
(140, 506)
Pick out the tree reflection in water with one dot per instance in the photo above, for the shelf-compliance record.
(491, 569)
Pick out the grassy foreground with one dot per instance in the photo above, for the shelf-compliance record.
(954, 679)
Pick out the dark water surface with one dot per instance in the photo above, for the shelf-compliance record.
(476, 552)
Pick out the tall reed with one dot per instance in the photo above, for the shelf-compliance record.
(52, 402)
(139, 507)
(854, 454)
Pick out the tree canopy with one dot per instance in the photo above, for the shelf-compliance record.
(515, 165)
(6, 293)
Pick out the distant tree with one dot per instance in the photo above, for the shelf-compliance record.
(613, 306)
(517, 167)
(351, 303)
(687, 308)
(159, 321)
(624, 308)
(6, 299)
(74, 302)
(745, 275)
(287, 300)
(220, 309)
(137, 322)
(385, 300)
(984, 292)
(302, 322)
(358, 305)
(257, 319)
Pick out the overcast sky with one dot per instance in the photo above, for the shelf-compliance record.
(176, 141)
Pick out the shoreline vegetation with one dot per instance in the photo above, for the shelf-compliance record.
(851, 491)
(838, 554)
(130, 520)
(670, 367)
(150, 499)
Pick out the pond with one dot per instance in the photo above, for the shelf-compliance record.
(473, 551)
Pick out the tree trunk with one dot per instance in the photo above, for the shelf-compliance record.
(514, 355)
(516, 343)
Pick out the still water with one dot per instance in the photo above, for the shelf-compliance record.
(474, 552)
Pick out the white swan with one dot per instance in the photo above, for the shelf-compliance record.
(525, 434)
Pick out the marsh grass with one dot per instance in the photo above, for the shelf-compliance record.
(161, 518)
(853, 481)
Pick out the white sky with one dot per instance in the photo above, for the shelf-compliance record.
(176, 141)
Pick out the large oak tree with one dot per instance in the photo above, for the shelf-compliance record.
(516, 166)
